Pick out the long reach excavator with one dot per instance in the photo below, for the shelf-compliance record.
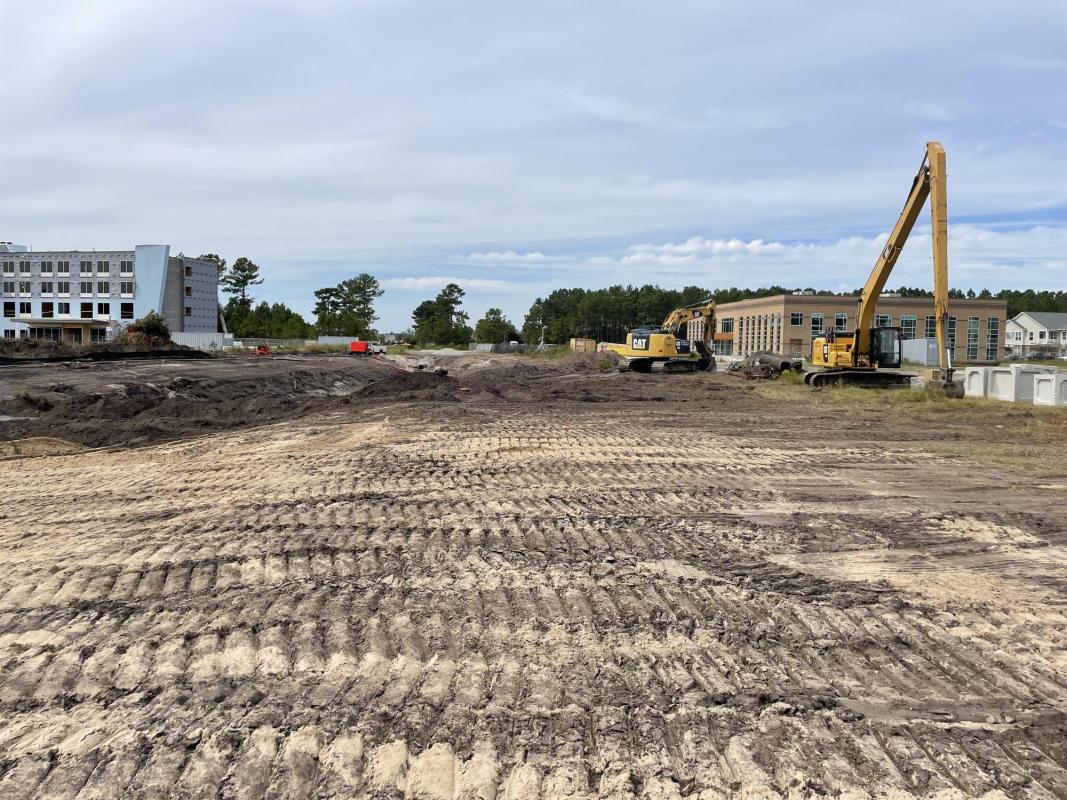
(870, 355)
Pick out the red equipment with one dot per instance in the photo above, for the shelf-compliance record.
(262, 350)
(359, 348)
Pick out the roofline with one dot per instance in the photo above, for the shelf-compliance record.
(1038, 323)
(816, 299)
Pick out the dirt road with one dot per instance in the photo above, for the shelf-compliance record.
(524, 582)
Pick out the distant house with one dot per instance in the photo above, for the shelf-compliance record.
(1035, 331)
(1014, 338)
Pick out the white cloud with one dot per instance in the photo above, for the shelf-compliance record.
(509, 258)
(422, 283)
(979, 257)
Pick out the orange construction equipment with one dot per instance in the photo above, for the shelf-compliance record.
(262, 350)
(359, 348)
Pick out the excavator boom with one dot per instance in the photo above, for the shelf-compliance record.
(929, 182)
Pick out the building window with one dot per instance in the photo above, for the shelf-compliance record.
(9, 268)
(188, 272)
(9, 308)
(103, 309)
(816, 325)
(1041, 335)
(46, 287)
(103, 267)
(126, 288)
(188, 311)
(841, 322)
(126, 268)
(796, 317)
(9, 287)
(98, 335)
(907, 326)
(126, 310)
(188, 291)
(972, 338)
(25, 287)
(952, 334)
(85, 267)
(930, 326)
(992, 338)
(727, 324)
(24, 268)
(883, 320)
(103, 287)
(47, 267)
(47, 310)
(86, 310)
(63, 287)
(63, 309)
(25, 309)
(87, 287)
(63, 267)
(9, 334)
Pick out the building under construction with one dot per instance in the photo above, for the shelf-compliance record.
(786, 323)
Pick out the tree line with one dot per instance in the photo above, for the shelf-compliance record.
(347, 309)
(608, 314)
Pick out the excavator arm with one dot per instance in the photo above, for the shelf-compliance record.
(680, 316)
(930, 182)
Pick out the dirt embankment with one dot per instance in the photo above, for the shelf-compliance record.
(136, 403)
(102, 404)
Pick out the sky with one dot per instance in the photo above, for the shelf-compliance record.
(518, 147)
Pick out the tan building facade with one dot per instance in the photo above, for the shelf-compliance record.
(785, 324)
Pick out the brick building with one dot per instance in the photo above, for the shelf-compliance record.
(786, 323)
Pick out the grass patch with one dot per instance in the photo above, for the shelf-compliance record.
(551, 353)
(991, 432)
(790, 378)
(1048, 362)
(1016, 457)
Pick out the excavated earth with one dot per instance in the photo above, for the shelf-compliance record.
(293, 578)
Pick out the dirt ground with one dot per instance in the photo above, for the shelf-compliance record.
(322, 577)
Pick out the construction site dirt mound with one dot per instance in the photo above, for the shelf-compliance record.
(115, 403)
(402, 384)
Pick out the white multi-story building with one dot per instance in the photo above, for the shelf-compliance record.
(1036, 332)
(79, 296)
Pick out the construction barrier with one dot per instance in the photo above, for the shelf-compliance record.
(1050, 389)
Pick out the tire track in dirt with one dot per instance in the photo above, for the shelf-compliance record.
(519, 607)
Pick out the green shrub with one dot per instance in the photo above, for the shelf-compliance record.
(151, 324)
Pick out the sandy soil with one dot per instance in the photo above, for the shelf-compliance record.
(525, 580)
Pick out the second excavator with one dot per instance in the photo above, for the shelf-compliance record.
(660, 348)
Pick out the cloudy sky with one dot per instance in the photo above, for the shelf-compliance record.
(514, 147)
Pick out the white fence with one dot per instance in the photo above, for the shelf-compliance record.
(345, 340)
(203, 341)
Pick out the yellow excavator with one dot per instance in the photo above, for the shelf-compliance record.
(663, 350)
(870, 355)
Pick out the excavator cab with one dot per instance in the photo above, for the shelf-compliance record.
(887, 350)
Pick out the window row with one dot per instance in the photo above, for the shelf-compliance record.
(63, 267)
(62, 309)
(63, 287)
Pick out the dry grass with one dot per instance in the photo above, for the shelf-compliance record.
(1006, 435)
